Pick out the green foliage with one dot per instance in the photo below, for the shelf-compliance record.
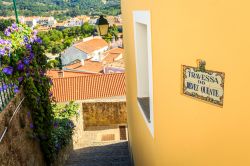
(55, 41)
(24, 64)
(63, 127)
(5, 23)
(70, 110)
(112, 32)
(60, 62)
(53, 63)
(62, 9)
(36, 90)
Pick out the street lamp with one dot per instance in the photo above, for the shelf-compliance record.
(102, 26)
(14, 4)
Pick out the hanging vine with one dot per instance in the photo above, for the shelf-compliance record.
(23, 65)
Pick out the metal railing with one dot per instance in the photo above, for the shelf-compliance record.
(6, 94)
(6, 127)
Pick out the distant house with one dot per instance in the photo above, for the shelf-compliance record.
(115, 67)
(92, 21)
(73, 22)
(112, 62)
(47, 21)
(90, 48)
(60, 26)
(31, 21)
(71, 54)
(116, 64)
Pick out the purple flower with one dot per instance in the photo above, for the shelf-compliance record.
(20, 66)
(11, 85)
(56, 124)
(20, 79)
(34, 32)
(32, 40)
(50, 94)
(7, 42)
(28, 46)
(39, 40)
(2, 52)
(4, 87)
(25, 39)
(16, 90)
(14, 26)
(28, 113)
(26, 61)
(7, 32)
(42, 73)
(31, 126)
(50, 81)
(7, 48)
(2, 42)
(31, 55)
(8, 70)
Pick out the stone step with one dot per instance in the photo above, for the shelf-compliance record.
(101, 154)
(100, 163)
(111, 144)
(91, 158)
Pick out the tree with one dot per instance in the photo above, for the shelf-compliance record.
(62, 8)
(68, 42)
(112, 32)
(87, 28)
(53, 63)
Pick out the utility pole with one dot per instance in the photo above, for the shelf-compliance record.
(14, 3)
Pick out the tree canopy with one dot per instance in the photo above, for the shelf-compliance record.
(61, 8)
(55, 41)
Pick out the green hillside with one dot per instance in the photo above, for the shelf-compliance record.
(61, 8)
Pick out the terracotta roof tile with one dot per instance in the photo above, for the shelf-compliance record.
(89, 66)
(91, 45)
(89, 87)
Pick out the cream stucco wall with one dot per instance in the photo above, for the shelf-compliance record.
(188, 132)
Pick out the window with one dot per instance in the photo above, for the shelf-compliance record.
(143, 51)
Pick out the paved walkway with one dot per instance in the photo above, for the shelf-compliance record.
(90, 151)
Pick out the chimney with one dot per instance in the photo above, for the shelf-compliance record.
(82, 62)
(60, 74)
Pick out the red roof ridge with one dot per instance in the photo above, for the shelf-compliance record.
(89, 87)
(91, 75)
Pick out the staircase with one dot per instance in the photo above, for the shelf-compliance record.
(101, 154)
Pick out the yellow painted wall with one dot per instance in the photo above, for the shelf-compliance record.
(189, 132)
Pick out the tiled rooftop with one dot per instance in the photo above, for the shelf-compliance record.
(91, 45)
(97, 67)
(89, 66)
(89, 87)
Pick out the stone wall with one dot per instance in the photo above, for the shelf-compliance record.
(104, 113)
(18, 148)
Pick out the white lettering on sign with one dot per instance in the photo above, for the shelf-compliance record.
(205, 85)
